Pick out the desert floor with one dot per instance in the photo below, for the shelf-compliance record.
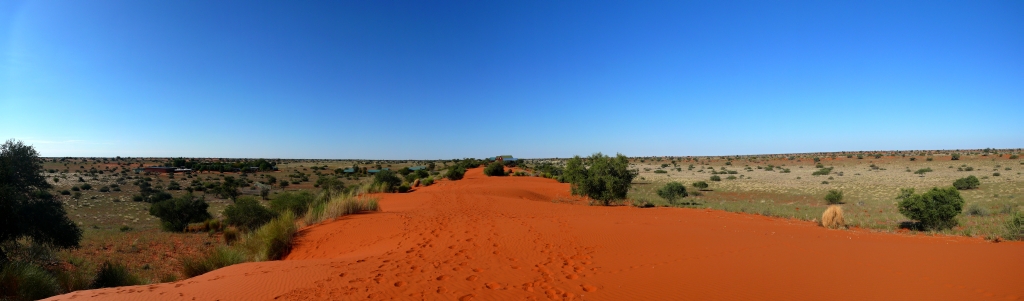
(521, 238)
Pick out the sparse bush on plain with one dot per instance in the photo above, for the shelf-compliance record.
(935, 209)
(970, 182)
(923, 170)
(296, 202)
(700, 185)
(834, 197)
(716, 178)
(822, 172)
(976, 210)
(605, 180)
(672, 192)
(955, 157)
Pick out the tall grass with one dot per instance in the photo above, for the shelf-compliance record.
(338, 206)
(218, 258)
(26, 281)
(113, 274)
(271, 241)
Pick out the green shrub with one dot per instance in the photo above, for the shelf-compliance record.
(495, 169)
(218, 258)
(427, 181)
(834, 197)
(730, 178)
(230, 235)
(1014, 157)
(86, 186)
(455, 173)
(976, 210)
(387, 181)
(923, 170)
(247, 213)
(25, 281)
(970, 182)
(660, 171)
(113, 274)
(822, 172)
(935, 210)
(404, 188)
(700, 185)
(995, 174)
(605, 180)
(672, 191)
(716, 178)
(1015, 226)
(296, 202)
(955, 157)
(175, 214)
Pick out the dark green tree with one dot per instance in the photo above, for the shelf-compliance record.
(247, 213)
(970, 182)
(935, 210)
(175, 214)
(27, 210)
(388, 180)
(600, 177)
(495, 169)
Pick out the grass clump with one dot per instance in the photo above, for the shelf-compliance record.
(1015, 226)
(934, 210)
(26, 281)
(385, 181)
(113, 274)
(338, 206)
(218, 258)
(970, 182)
(672, 192)
(923, 171)
(832, 218)
(271, 241)
(822, 172)
(976, 210)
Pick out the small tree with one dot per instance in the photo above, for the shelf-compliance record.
(970, 182)
(936, 209)
(701, 185)
(955, 157)
(247, 213)
(834, 197)
(672, 192)
(387, 180)
(605, 180)
(494, 169)
(175, 214)
(27, 210)
(455, 173)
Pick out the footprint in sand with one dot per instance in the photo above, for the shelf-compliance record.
(472, 278)
(588, 288)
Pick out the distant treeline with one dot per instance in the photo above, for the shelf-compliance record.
(196, 165)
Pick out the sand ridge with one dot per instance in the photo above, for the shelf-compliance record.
(503, 238)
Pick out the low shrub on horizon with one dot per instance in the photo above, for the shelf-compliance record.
(969, 182)
(672, 192)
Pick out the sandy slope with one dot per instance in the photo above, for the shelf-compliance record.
(504, 239)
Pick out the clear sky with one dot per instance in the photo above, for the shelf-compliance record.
(425, 79)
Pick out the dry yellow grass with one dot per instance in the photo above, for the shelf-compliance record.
(833, 218)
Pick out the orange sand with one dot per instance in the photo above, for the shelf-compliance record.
(504, 239)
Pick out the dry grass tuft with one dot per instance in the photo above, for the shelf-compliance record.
(833, 218)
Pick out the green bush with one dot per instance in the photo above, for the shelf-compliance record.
(427, 181)
(970, 182)
(935, 210)
(387, 181)
(834, 197)
(86, 186)
(822, 172)
(1015, 226)
(296, 202)
(923, 170)
(247, 213)
(175, 214)
(495, 169)
(976, 210)
(700, 185)
(455, 173)
(114, 275)
(955, 157)
(605, 180)
(716, 178)
(25, 281)
(404, 188)
(672, 192)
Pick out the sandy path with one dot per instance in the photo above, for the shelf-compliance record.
(504, 239)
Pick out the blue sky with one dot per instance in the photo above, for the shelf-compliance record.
(424, 80)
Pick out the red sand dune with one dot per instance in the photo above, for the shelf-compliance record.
(504, 239)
